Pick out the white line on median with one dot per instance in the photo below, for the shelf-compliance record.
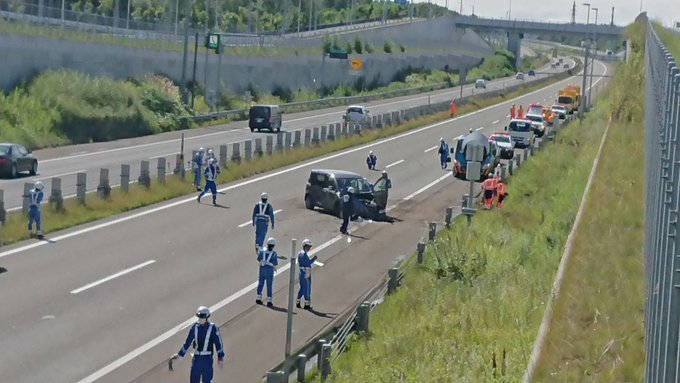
(430, 149)
(164, 155)
(59, 175)
(480, 128)
(438, 180)
(110, 277)
(508, 116)
(393, 164)
(244, 224)
(495, 122)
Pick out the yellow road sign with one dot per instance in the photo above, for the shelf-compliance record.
(357, 64)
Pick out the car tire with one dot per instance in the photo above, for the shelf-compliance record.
(308, 202)
(252, 130)
(13, 172)
(34, 168)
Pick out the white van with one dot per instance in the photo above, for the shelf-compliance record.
(521, 132)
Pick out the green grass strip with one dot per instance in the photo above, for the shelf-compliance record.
(15, 229)
(672, 40)
(472, 312)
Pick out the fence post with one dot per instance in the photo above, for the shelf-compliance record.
(503, 173)
(308, 137)
(275, 377)
(161, 170)
(324, 133)
(258, 147)
(363, 314)
(223, 156)
(179, 167)
(279, 142)
(449, 217)
(269, 142)
(81, 187)
(3, 212)
(236, 152)
(125, 178)
(331, 132)
(144, 177)
(104, 188)
(315, 136)
(325, 361)
(432, 232)
(297, 142)
(393, 282)
(26, 203)
(55, 194)
(319, 347)
(289, 140)
(248, 149)
(301, 364)
(421, 252)
(525, 154)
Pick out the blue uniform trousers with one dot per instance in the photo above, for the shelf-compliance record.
(201, 369)
(268, 278)
(34, 215)
(209, 185)
(261, 227)
(197, 176)
(305, 289)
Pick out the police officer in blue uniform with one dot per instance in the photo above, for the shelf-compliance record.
(35, 197)
(263, 213)
(268, 260)
(211, 172)
(371, 160)
(347, 208)
(198, 168)
(443, 153)
(305, 263)
(204, 337)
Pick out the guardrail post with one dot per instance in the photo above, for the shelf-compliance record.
(223, 156)
(525, 154)
(144, 177)
(331, 132)
(319, 347)
(301, 364)
(81, 187)
(343, 130)
(421, 252)
(449, 217)
(236, 152)
(248, 149)
(432, 232)
(125, 178)
(396, 118)
(104, 188)
(179, 166)
(363, 314)
(356, 129)
(325, 361)
(269, 142)
(55, 194)
(373, 122)
(338, 129)
(315, 136)
(279, 142)
(518, 161)
(161, 170)
(308, 137)
(258, 147)
(503, 173)
(26, 203)
(289, 140)
(297, 141)
(275, 377)
(511, 166)
(3, 212)
(387, 120)
(393, 282)
(324, 133)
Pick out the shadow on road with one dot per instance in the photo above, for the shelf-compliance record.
(322, 314)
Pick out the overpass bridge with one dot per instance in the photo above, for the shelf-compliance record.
(516, 29)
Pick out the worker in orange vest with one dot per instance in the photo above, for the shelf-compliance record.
(500, 193)
(489, 189)
(513, 111)
(520, 113)
(454, 108)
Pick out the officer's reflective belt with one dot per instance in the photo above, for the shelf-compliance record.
(206, 341)
(210, 173)
(267, 257)
(34, 198)
(263, 210)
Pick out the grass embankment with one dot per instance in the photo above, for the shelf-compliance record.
(15, 228)
(597, 333)
(672, 40)
(63, 107)
(473, 312)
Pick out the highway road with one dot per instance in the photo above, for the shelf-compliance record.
(66, 161)
(111, 300)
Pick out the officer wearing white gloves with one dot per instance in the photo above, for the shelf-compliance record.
(205, 338)
(198, 168)
(211, 173)
(268, 260)
(35, 197)
(263, 213)
(305, 263)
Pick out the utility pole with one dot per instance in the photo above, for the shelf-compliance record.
(187, 16)
(573, 13)
(612, 22)
(582, 107)
(299, 14)
(311, 8)
(592, 63)
(193, 78)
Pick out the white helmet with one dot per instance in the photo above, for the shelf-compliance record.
(39, 185)
(210, 151)
(203, 312)
(201, 149)
(212, 161)
(350, 190)
(441, 139)
(307, 242)
(271, 241)
(370, 152)
(264, 196)
(470, 131)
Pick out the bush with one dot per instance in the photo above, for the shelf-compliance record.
(368, 47)
(357, 45)
(387, 47)
(402, 48)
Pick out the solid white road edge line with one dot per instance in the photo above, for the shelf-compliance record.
(57, 175)
(495, 122)
(480, 128)
(394, 164)
(268, 176)
(110, 277)
(166, 335)
(244, 224)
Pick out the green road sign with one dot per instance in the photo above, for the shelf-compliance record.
(338, 54)
(212, 41)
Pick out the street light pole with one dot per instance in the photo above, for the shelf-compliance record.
(299, 14)
(592, 63)
(584, 102)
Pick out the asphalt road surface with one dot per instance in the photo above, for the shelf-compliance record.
(111, 301)
(67, 161)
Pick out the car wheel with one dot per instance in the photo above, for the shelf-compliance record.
(308, 202)
(252, 130)
(13, 172)
(34, 168)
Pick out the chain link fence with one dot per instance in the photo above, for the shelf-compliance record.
(662, 187)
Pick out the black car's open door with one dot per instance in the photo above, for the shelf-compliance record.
(381, 192)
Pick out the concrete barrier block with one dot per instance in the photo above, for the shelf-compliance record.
(223, 156)
(56, 196)
(144, 175)
(160, 170)
(279, 142)
(289, 140)
(248, 149)
(258, 147)
(269, 145)
(236, 152)
(308, 137)
(324, 133)
(104, 187)
(315, 136)
(81, 187)
(125, 178)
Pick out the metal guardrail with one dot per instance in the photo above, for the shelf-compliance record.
(662, 188)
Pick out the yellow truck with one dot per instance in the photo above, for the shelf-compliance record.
(570, 97)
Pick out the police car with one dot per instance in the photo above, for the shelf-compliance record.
(504, 143)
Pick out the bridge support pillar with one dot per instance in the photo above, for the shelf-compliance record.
(515, 45)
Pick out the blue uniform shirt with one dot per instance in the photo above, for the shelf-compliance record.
(347, 203)
(198, 159)
(211, 172)
(35, 197)
(196, 338)
(263, 211)
(268, 260)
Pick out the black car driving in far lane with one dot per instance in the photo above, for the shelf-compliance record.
(15, 158)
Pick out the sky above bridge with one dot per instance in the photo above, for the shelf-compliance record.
(665, 11)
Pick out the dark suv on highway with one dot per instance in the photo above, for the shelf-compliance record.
(325, 186)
